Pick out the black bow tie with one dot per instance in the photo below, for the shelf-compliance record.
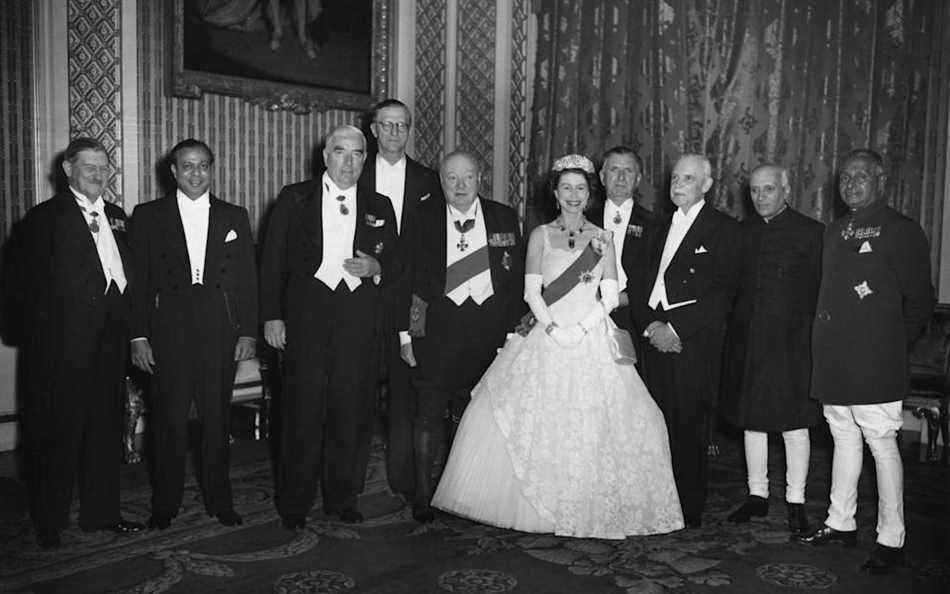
(465, 227)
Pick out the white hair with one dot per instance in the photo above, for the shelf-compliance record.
(343, 130)
(707, 166)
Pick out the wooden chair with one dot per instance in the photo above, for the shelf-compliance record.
(929, 396)
(251, 391)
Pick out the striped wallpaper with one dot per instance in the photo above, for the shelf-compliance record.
(256, 151)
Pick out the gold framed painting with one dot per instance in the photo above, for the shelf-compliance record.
(295, 55)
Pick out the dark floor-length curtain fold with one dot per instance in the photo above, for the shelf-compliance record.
(797, 82)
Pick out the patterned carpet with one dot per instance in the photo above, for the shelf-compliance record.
(392, 554)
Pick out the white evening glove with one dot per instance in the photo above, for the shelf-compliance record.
(609, 299)
(532, 295)
(609, 294)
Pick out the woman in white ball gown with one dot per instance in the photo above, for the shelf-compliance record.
(558, 437)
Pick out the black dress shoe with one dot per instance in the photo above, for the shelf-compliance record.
(827, 535)
(293, 522)
(49, 541)
(753, 507)
(120, 527)
(350, 515)
(797, 520)
(159, 522)
(422, 512)
(229, 518)
(884, 559)
(126, 527)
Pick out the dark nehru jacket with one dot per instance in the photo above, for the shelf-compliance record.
(767, 369)
(876, 296)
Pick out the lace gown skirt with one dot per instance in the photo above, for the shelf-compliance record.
(562, 440)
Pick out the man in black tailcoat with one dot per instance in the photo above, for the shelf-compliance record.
(680, 306)
(767, 369)
(75, 281)
(407, 183)
(467, 285)
(329, 249)
(632, 226)
(194, 317)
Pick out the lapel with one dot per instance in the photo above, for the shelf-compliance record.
(174, 232)
(312, 219)
(694, 237)
(439, 238)
(362, 207)
(411, 190)
(125, 253)
(74, 227)
(656, 251)
(215, 240)
(492, 225)
(628, 254)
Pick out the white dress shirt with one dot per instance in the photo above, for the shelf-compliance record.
(194, 220)
(678, 230)
(106, 247)
(479, 288)
(339, 229)
(619, 230)
(391, 182)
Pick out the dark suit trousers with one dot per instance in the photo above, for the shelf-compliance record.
(676, 382)
(461, 342)
(193, 343)
(327, 404)
(74, 426)
(400, 450)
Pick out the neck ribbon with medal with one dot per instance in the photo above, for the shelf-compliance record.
(463, 228)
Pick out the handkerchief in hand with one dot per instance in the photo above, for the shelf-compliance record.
(231, 236)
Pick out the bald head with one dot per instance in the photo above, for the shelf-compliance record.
(344, 154)
(769, 188)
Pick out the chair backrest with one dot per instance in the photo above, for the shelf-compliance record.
(930, 355)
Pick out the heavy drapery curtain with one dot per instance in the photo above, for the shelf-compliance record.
(796, 82)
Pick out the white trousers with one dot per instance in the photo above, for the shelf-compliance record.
(878, 424)
(797, 452)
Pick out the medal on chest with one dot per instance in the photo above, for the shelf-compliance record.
(463, 228)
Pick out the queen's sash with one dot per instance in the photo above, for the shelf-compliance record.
(572, 276)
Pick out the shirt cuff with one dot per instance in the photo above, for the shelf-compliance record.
(673, 329)
(138, 338)
(404, 338)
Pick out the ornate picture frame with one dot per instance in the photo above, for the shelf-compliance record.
(272, 93)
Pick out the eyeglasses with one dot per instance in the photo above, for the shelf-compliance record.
(390, 127)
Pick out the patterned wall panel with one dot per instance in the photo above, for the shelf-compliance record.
(430, 80)
(475, 84)
(94, 67)
(16, 121)
(517, 120)
(256, 151)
